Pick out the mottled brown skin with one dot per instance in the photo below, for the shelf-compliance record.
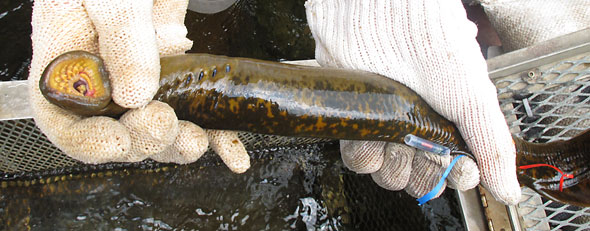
(571, 156)
(274, 98)
(218, 92)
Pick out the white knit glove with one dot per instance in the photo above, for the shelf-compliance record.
(430, 47)
(129, 35)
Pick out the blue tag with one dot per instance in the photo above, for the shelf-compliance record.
(438, 186)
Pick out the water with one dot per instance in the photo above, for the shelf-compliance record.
(286, 189)
(262, 29)
(15, 41)
(289, 189)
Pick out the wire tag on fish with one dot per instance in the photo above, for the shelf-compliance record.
(426, 145)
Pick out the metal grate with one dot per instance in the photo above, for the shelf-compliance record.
(551, 214)
(24, 148)
(548, 103)
(542, 104)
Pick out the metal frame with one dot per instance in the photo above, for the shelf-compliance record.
(14, 100)
(523, 60)
(542, 53)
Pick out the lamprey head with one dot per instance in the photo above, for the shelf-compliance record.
(77, 81)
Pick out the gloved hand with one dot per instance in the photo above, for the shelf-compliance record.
(430, 47)
(130, 35)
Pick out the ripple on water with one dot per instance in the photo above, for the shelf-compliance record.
(307, 188)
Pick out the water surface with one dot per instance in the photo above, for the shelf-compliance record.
(288, 189)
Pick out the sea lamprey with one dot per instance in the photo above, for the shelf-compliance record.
(218, 92)
(77, 81)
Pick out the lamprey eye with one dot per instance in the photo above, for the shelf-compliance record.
(214, 72)
(76, 81)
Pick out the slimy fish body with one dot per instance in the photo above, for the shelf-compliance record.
(218, 92)
(281, 99)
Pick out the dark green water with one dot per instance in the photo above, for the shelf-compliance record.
(288, 189)
(262, 29)
(15, 41)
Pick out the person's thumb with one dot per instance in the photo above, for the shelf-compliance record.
(127, 43)
(170, 29)
(484, 129)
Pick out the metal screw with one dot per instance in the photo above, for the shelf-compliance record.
(531, 75)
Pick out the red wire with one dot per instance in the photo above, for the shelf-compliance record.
(551, 166)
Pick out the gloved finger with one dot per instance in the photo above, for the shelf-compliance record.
(169, 24)
(171, 39)
(396, 170)
(474, 108)
(472, 104)
(126, 28)
(231, 150)
(94, 140)
(190, 144)
(427, 170)
(127, 43)
(464, 175)
(58, 27)
(451, 59)
(495, 155)
(362, 156)
(152, 128)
